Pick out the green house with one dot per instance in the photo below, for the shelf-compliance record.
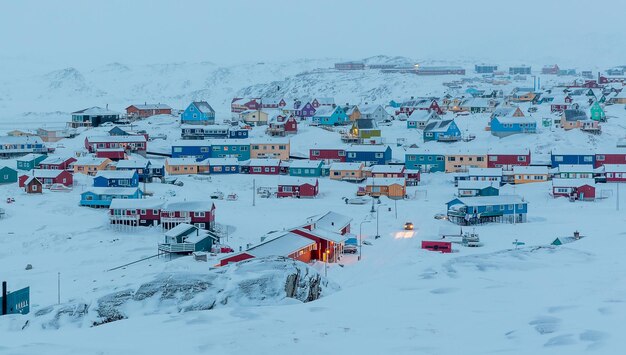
(30, 161)
(365, 128)
(308, 168)
(597, 113)
(7, 175)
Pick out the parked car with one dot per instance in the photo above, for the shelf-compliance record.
(441, 216)
(408, 226)
(463, 113)
(385, 122)
(356, 200)
(350, 249)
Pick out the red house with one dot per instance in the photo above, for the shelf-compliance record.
(442, 247)
(282, 125)
(131, 143)
(286, 244)
(550, 69)
(387, 171)
(298, 187)
(329, 245)
(508, 160)
(147, 110)
(615, 172)
(330, 221)
(263, 167)
(135, 212)
(610, 158)
(328, 154)
(32, 185)
(49, 177)
(56, 163)
(574, 189)
(238, 104)
(199, 213)
(611, 79)
(114, 154)
(412, 177)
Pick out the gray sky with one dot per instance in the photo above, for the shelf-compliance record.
(87, 33)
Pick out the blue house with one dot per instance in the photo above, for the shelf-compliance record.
(442, 131)
(484, 209)
(509, 125)
(219, 166)
(116, 178)
(238, 133)
(368, 154)
(186, 238)
(307, 168)
(425, 162)
(145, 169)
(231, 148)
(198, 112)
(29, 161)
(7, 175)
(330, 116)
(15, 146)
(198, 149)
(100, 197)
(572, 158)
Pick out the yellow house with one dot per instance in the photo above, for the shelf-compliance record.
(460, 162)
(270, 149)
(347, 171)
(523, 97)
(90, 165)
(181, 166)
(529, 174)
(254, 117)
(352, 111)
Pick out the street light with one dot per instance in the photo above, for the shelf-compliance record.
(326, 263)
(377, 209)
(360, 240)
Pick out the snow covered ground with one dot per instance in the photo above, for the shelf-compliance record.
(398, 299)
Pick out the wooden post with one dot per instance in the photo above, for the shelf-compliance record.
(4, 298)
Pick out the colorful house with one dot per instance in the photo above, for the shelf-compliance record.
(147, 110)
(364, 128)
(275, 148)
(198, 213)
(32, 185)
(368, 154)
(114, 154)
(230, 148)
(558, 157)
(468, 188)
(146, 170)
(254, 117)
(613, 172)
(442, 131)
(493, 175)
(484, 209)
(135, 212)
(461, 161)
(49, 177)
(597, 112)
(197, 149)
(352, 111)
(573, 171)
(424, 161)
(373, 112)
(328, 154)
(420, 118)
(100, 197)
(306, 168)
(286, 244)
(89, 165)
(262, 166)
(18, 146)
(388, 171)
(181, 166)
(29, 161)
(330, 116)
(574, 189)
(186, 239)
(282, 125)
(116, 178)
(530, 174)
(297, 187)
(571, 119)
(239, 104)
(130, 143)
(7, 175)
(508, 159)
(509, 125)
(394, 188)
(219, 166)
(204, 132)
(198, 112)
(347, 171)
(93, 117)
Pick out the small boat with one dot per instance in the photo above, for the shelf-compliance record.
(60, 188)
(232, 197)
(217, 195)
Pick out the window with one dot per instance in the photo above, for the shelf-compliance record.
(479, 159)
(204, 150)
(558, 158)
(155, 212)
(199, 225)
(588, 159)
(600, 157)
(199, 214)
(493, 158)
(142, 212)
(178, 149)
(451, 158)
(379, 155)
(287, 189)
(520, 206)
(217, 148)
(440, 158)
(315, 153)
(351, 155)
(256, 169)
(521, 158)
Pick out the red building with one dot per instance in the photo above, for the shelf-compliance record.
(615, 172)
(238, 104)
(56, 163)
(131, 143)
(611, 79)
(135, 212)
(262, 167)
(412, 177)
(298, 187)
(147, 110)
(199, 213)
(328, 245)
(282, 125)
(442, 247)
(550, 70)
(32, 185)
(610, 158)
(328, 155)
(508, 160)
(114, 154)
(286, 244)
(49, 177)
(387, 171)
(574, 189)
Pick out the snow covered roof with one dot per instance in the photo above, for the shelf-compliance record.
(477, 102)
(89, 161)
(575, 168)
(346, 166)
(367, 148)
(614, 168)
(264, 162)
(531, 170)
(151, 106)
(132, 164)
(492, 200)
(283, 245)
(20, 140)
(116, 174)
(296, 181)
(365, 123)
(387, 169)
(179, 229)
(147, 203)
(385, 181)
(325, 100)
(46, 173)
(189, 206)
(204, 107)
(484, 172)
(333, 221)
(572, 182)
(29, 157)
(221, 161)
(369, 109)
(119, 191)
(305, 164)
(120, 139)
(326, 234)
(476, 185)
(181, 161)
(422, 116)
(268, 140)
(438, 126)
(324, 111)
(575, 115)
(96, 111)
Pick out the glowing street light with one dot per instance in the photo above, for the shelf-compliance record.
(360, 238)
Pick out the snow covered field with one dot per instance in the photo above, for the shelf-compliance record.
(399, 299)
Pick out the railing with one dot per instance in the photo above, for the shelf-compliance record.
(178, 248)
(133, 217)
(175, 219)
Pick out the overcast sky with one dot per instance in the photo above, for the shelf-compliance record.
(87, 33)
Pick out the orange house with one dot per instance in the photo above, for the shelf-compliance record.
(89, 165)
(460, 162)
(270, 149)
(181, 166)
(394, 188)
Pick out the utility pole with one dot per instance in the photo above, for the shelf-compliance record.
(617, 199)
(58, 288)
(253, 192)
